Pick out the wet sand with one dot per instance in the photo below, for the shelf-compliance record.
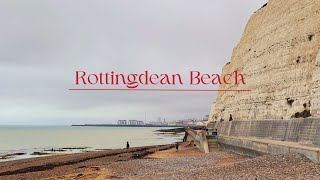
(57, 166)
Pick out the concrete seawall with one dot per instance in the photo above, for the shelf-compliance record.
(256, 138)
(199, 138)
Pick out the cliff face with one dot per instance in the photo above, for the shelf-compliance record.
(280, 58)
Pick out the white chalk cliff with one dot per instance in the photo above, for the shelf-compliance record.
(279, 56)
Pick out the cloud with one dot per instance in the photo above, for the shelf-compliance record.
(44, 42)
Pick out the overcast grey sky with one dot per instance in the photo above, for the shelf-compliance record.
(44, 41)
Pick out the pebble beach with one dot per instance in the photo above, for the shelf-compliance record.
(161, 162)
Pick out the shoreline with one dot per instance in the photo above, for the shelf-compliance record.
(12, 155)
(77, 140)
(15, 155)
(41, 167)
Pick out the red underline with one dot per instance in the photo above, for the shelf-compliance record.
(168, 90)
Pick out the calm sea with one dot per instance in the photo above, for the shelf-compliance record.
(29, 139)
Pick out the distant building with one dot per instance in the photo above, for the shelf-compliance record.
(140, 123)
(122, 122)
(157, 123)
(133, 122)
(186, 122)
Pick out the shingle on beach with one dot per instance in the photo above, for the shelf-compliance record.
(150, 163)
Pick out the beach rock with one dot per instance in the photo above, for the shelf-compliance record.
(97, 168)
(280, 58)
(39, 153)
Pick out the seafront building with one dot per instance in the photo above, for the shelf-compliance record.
(133, 122)
(185, 122)
(130, 122)
(122, 122)
(140, 123)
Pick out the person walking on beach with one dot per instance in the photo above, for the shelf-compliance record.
(128, 146)
(177, 147)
